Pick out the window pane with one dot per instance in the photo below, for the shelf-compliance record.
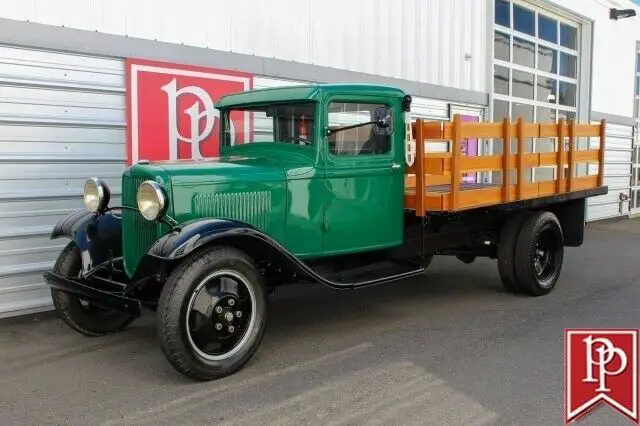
(501, 80)
(524, 20)
(568, 65)
(502, 49)
(503, 17)
(567, 94)
(547, 88)
(568, 37)
(546, 115)
(523, 52)
(638, 85)
(365, 140)
(566, 115)
(522, 84)
(547, 60)
(522, 110)
(547, 29)
(500, 110)
(638, 63)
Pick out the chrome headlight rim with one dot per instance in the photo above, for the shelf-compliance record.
(160, 199)
(101, 192)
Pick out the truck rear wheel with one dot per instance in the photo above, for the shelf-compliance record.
(76, 312)
(539, 253)
(212, 314)
(506, 251)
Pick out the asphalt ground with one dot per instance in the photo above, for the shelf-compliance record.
(451, 348)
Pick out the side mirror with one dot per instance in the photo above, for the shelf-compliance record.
(384, 121)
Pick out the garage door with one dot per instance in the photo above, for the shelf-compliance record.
(61, 119)
(617, 173)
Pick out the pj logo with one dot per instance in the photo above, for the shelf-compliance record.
(171, 110)
(601, 366)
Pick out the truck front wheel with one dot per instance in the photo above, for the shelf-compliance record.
(212, 314)
(76, 312)
(539, 253)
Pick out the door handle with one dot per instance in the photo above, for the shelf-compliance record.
(395, 165)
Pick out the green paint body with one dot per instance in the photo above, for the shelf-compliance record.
(312, 202)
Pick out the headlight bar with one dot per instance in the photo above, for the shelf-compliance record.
(96, 195)
(152, 200)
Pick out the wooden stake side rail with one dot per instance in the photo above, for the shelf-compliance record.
(438, 176)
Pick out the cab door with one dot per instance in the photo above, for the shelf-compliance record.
(364, 179)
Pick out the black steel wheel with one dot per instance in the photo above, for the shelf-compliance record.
(539, 254)
(212, 314)
(78, 313)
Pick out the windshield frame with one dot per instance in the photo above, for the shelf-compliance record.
(249, 123)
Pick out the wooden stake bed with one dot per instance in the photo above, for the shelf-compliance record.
(438, 176)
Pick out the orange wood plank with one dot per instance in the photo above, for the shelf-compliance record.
(506, 160)
(521, 167)
(603, 131)
(456, 152)
(410, 180)
(420, 169)
(572, 147)
(559, 159)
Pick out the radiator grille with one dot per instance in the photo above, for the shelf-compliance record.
(138, 234)
(250, 207)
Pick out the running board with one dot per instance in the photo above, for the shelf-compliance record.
(367, 275)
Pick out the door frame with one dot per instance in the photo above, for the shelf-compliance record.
(394, 156)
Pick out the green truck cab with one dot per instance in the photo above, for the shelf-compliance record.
(316, 192)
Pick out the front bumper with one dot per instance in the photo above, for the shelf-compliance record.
(105, 299)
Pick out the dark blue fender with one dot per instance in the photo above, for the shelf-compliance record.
(192, 235)
(98, 235)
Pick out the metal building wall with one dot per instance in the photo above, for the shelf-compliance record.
(61, 119)
(617, 171)
(442, 42)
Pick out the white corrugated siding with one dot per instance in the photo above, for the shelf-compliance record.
(617, 173)
(61, 120)
(418, 40)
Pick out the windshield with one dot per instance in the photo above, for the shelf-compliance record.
(282, 123)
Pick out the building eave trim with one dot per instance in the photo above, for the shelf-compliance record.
(41, 36)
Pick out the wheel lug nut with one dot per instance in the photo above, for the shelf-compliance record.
(218, 326)
(239, 314)
(231, 329)
(232, 302)
(218, 309)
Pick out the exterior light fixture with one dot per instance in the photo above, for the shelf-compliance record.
(621, 13)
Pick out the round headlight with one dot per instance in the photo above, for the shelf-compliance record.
(96, 195)
(152, 200)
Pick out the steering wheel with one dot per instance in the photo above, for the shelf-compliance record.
(293, 139)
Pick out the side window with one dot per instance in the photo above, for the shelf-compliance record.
(363, 140)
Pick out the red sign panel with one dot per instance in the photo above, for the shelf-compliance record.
(601, 366)
(171, 110)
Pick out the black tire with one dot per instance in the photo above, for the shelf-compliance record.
(506, 251)
(189, 354)
(539, 254)
(89, 320)
(466, 258)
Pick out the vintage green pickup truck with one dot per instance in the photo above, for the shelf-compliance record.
(334, 187)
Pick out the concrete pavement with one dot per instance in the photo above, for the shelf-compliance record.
(451, 348)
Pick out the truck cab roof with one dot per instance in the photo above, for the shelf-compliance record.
(306, 92)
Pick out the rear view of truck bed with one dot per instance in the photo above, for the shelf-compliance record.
(439, 176)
